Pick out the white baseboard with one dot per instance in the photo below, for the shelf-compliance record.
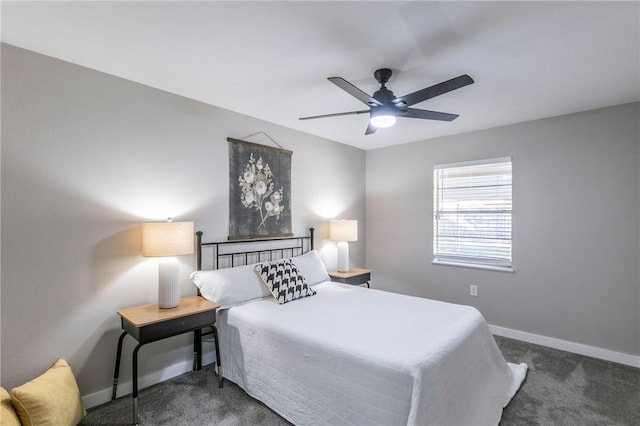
(126, 387)
(565, 345)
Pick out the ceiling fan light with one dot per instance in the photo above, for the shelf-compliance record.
(382, 120)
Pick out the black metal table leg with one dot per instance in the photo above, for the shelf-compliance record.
(117, 369)
(134, 394)
(197, 350)
(215, 338)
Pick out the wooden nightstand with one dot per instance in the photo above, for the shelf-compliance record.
(149, 323)
(355, 276)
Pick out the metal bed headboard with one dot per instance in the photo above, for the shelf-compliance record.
(245, 251)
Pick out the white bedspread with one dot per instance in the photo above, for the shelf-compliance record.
(356, 356)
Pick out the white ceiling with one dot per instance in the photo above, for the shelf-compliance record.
(271, 60)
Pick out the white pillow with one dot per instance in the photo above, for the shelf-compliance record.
(311, 267)
(230, 286)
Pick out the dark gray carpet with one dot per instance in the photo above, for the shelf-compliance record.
(561, 388)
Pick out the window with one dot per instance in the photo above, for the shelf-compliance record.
(472, 213)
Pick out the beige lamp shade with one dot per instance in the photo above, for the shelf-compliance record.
(343, 230)
(167, 238)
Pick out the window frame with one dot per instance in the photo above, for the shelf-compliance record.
(477, 262)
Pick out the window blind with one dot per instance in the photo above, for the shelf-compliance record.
(472, 212)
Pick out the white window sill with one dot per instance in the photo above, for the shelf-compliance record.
(474, 266)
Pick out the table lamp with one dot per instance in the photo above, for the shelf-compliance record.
(165, 240)
(343, 231)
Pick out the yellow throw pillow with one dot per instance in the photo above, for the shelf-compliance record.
(51, 399)
(8, 416)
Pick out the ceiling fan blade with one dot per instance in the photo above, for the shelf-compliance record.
(428, 115)
(433, 91)
(354, 91)
(370, 129)
(338, 114)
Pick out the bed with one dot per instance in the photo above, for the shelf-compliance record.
(349, 355)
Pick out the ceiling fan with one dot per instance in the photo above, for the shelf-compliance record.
(385, 107)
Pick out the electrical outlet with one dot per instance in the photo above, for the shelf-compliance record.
(473, 290)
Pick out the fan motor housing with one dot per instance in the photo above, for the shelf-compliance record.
(384, 95)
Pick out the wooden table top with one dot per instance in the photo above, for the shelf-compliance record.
(352, 273)
(143, 315)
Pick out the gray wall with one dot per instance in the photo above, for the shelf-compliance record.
(575, 226)
(88, 157)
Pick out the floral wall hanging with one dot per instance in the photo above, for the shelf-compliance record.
(259, 191)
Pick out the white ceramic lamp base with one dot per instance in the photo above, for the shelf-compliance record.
(168, 283)
(343, 256)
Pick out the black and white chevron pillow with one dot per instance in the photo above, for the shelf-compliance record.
(284, 281)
